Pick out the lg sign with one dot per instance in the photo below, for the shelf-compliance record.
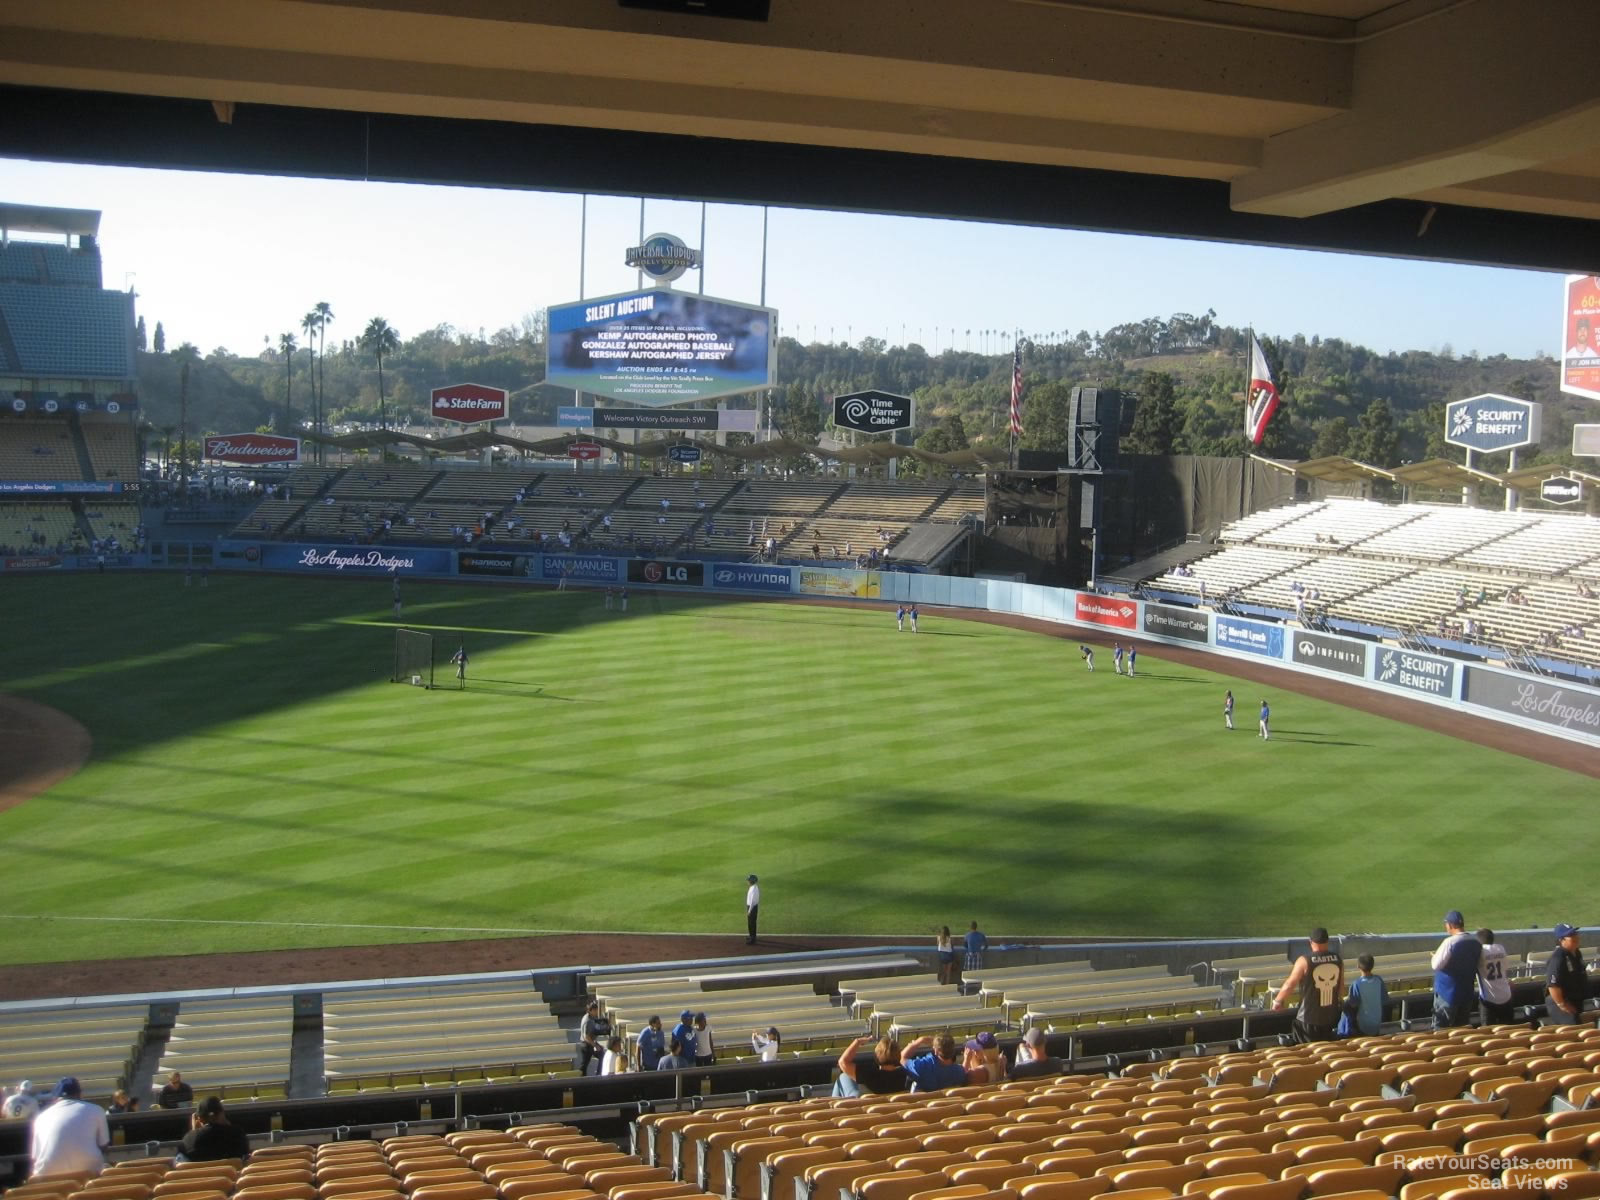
(469, 403)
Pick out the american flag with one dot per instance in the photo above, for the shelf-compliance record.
(1016, 392)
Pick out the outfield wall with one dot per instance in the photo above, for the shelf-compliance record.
(1566, 710)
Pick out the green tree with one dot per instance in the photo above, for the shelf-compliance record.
(1156, 421)
(1376, 440)
(1047, 419)
(308, 326)
(139, 339)
(378, 339)
(160, 343)
(1332, 439)
(797, 414)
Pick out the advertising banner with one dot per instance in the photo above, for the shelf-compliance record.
(58, 487)
(252, 448)
(666, 574)
(476, 562)
(1106, 610)
(1492, 422)
(357, 560)
(684, 453)
(1416, 672)
(751, 577)
(33, 562)
(585, 451)
(858, 585)
(1561, 489)
(660, 347)
(580, 568)
(1580, 336)
(1253, 637)
(469, 403)
(1342, 655)
(1563, 706)
(873, 412)
(1164, 620)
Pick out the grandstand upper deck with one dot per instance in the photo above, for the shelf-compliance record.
(49, 263)
(37, 449)
(65, 333)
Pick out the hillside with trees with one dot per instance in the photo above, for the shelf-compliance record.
(1187, 372)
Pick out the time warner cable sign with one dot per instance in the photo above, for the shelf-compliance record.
(873, 412)
(1491, 422)
(660, 347)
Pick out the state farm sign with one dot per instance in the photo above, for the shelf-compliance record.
(1106, 610)
(253, 448)
(469, 403)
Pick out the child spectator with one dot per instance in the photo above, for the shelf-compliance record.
(1368, 1000)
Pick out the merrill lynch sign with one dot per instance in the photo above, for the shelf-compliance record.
(1550, 703)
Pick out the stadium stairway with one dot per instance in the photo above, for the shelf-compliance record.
(80, 447)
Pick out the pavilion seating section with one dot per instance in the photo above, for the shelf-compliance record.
(1331, 578)
(428, 520)
(1349, 522)
(112, 519)
(576, 499)
(1551, 546)
(234, 1048)
(1548, 608)
(1442, 534)
(98, 1043)
(37, 450)
(385, 485)
(765, 508)
(56, 522)
(1233, 568)
(47, 262)
(966, 500)
(1248, 529)
(638, 518)
(440, 1035)
(489, 490)
(267, 519)
(1421, 598)
(113, 448)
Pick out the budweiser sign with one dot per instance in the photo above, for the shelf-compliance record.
(253, 448)
(469, 403)
(1105, 610)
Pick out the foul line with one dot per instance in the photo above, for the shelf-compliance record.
(276, 924)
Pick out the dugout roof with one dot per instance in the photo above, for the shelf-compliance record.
(1464, 130)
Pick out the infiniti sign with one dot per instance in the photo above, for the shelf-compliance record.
(1331, 653)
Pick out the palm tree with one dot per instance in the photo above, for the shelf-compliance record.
(379, 339)
(308, 326)
(287, 346)
(324, 315)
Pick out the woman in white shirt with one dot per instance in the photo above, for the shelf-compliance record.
(615, 1061)
(766, 1044)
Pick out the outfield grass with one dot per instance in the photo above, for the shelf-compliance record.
(257, 782)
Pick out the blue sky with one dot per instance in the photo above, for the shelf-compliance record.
(226, 260)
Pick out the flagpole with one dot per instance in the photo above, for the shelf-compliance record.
(1249, 370)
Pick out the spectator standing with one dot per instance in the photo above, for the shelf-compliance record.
(652, 1044)
(71, 1135)
(1566, 983)
(705, 1050)
(675, 1059)
(976, 944)
(945, 946)
(1494, 986)
(1319, 975)
(766, 1044)
(22, 1104)
(683, 1034)
(752, 907)
(1455, 970)
(176, 1093)
(930, 1063)
(615, 1060)
(595, 1030)
(212, 1136)
(1368, 1000)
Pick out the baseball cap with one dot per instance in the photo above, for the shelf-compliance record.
(1454, 917)
(69, 1086)
(1034, 1036)
(211, 1106)
(750, 878)
(686, 1015)
(1564, 930)
(984, 1041)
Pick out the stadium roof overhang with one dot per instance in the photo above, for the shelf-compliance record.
(1524, 478)
(1362, 125)
(1440, 473)
(30, 218)
(1339, 469)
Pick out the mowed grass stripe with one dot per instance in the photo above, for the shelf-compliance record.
(626, 771)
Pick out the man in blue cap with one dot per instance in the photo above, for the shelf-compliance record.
(1455, 972)
(1566, 982)
(683, 1034)
(70, 1137)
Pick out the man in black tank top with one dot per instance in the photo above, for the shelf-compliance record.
(1320, 977)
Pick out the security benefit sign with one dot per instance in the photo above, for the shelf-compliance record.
(659, 347)
(1416, 672)
(872, 412)
(666, 574)
(1331, 653)
(469, 403)
(1492, 422)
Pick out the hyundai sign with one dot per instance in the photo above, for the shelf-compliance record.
(660, 347)
(872, 412)
(751, 577)
(1491, 423)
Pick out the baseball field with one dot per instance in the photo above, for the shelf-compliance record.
(257, 782)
